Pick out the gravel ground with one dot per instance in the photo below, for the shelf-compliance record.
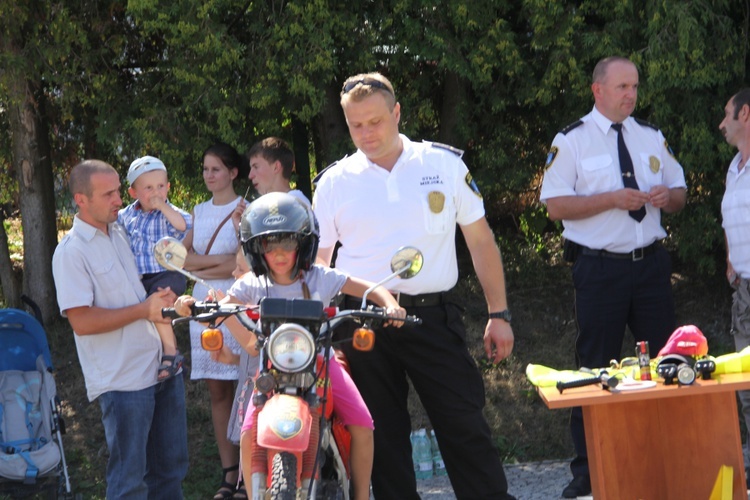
(528, 481)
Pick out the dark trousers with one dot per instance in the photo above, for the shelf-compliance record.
(611, 294)
(435, 358)
(154, 281)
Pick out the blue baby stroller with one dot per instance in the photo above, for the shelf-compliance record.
(32, 459)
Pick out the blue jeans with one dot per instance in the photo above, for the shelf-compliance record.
(146, 435)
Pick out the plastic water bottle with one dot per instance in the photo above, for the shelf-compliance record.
(438, 466)
(422, 454)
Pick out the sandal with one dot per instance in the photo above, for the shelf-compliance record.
(241, 493)
(171, 365)
(226, 490)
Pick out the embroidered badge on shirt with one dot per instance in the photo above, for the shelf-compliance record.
(653, 164)
(436, 200)
(551, 156)
(472, 185)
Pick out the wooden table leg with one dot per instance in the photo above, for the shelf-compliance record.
(668, 448)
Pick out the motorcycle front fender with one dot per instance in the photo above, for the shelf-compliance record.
(284, 424)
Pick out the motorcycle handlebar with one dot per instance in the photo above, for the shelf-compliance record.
(377, 313)
(209, 311)
(169, 312)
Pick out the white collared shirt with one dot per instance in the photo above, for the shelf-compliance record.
(586, 162)
(374, 212)
(735, 213)
(95, 269)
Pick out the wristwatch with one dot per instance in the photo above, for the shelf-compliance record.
(501, 315)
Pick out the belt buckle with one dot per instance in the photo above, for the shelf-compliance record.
(637, 254)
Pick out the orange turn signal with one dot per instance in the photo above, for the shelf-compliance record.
(212, 339)
(363, 339)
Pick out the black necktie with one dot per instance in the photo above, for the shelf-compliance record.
(626, 167)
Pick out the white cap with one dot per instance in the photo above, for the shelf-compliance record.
(143, 165)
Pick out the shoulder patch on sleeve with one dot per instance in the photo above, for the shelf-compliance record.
(571, 127)
(551, 156)
(472, 185)
(644, 123)
(322, 172)
(455, 151)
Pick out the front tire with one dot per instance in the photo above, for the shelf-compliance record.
(284, 477)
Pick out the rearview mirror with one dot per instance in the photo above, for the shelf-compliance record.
(171, 254)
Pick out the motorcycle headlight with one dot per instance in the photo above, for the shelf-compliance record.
(291, 348)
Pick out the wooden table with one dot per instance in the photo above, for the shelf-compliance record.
(666, 442)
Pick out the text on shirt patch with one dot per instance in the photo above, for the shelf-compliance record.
(428, 180)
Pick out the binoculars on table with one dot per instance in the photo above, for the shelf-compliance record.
(684, 369)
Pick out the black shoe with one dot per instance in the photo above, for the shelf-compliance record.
(578, 487)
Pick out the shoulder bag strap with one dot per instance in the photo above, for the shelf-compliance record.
(216, 233)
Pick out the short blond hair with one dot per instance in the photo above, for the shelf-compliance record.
(363, 85)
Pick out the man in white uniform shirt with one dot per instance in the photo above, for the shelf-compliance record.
(609, 176)
(735, 208)
(390, 193)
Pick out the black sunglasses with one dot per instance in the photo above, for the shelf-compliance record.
(371, 82)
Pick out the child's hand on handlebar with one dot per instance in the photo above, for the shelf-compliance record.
(182, 305)
(397, 311)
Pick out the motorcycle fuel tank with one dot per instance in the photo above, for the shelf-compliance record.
(284, 424)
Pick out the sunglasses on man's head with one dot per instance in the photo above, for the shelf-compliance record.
(285, 243)
(370, 82)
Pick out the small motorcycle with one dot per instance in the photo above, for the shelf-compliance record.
(301, 451)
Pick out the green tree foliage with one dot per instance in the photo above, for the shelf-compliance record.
(692, 57)
(497, 78)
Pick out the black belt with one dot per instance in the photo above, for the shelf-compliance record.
(404, 300)
(635, 255)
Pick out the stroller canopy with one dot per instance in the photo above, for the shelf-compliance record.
(22, 341)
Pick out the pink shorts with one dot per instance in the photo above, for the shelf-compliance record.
(348, 404)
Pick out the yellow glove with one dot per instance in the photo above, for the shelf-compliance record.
(735, 362)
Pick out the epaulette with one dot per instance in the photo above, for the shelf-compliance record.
(455, 151)
(646, 124)
(320, 174)
(571, 127)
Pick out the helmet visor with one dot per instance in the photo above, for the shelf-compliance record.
(284, 242)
